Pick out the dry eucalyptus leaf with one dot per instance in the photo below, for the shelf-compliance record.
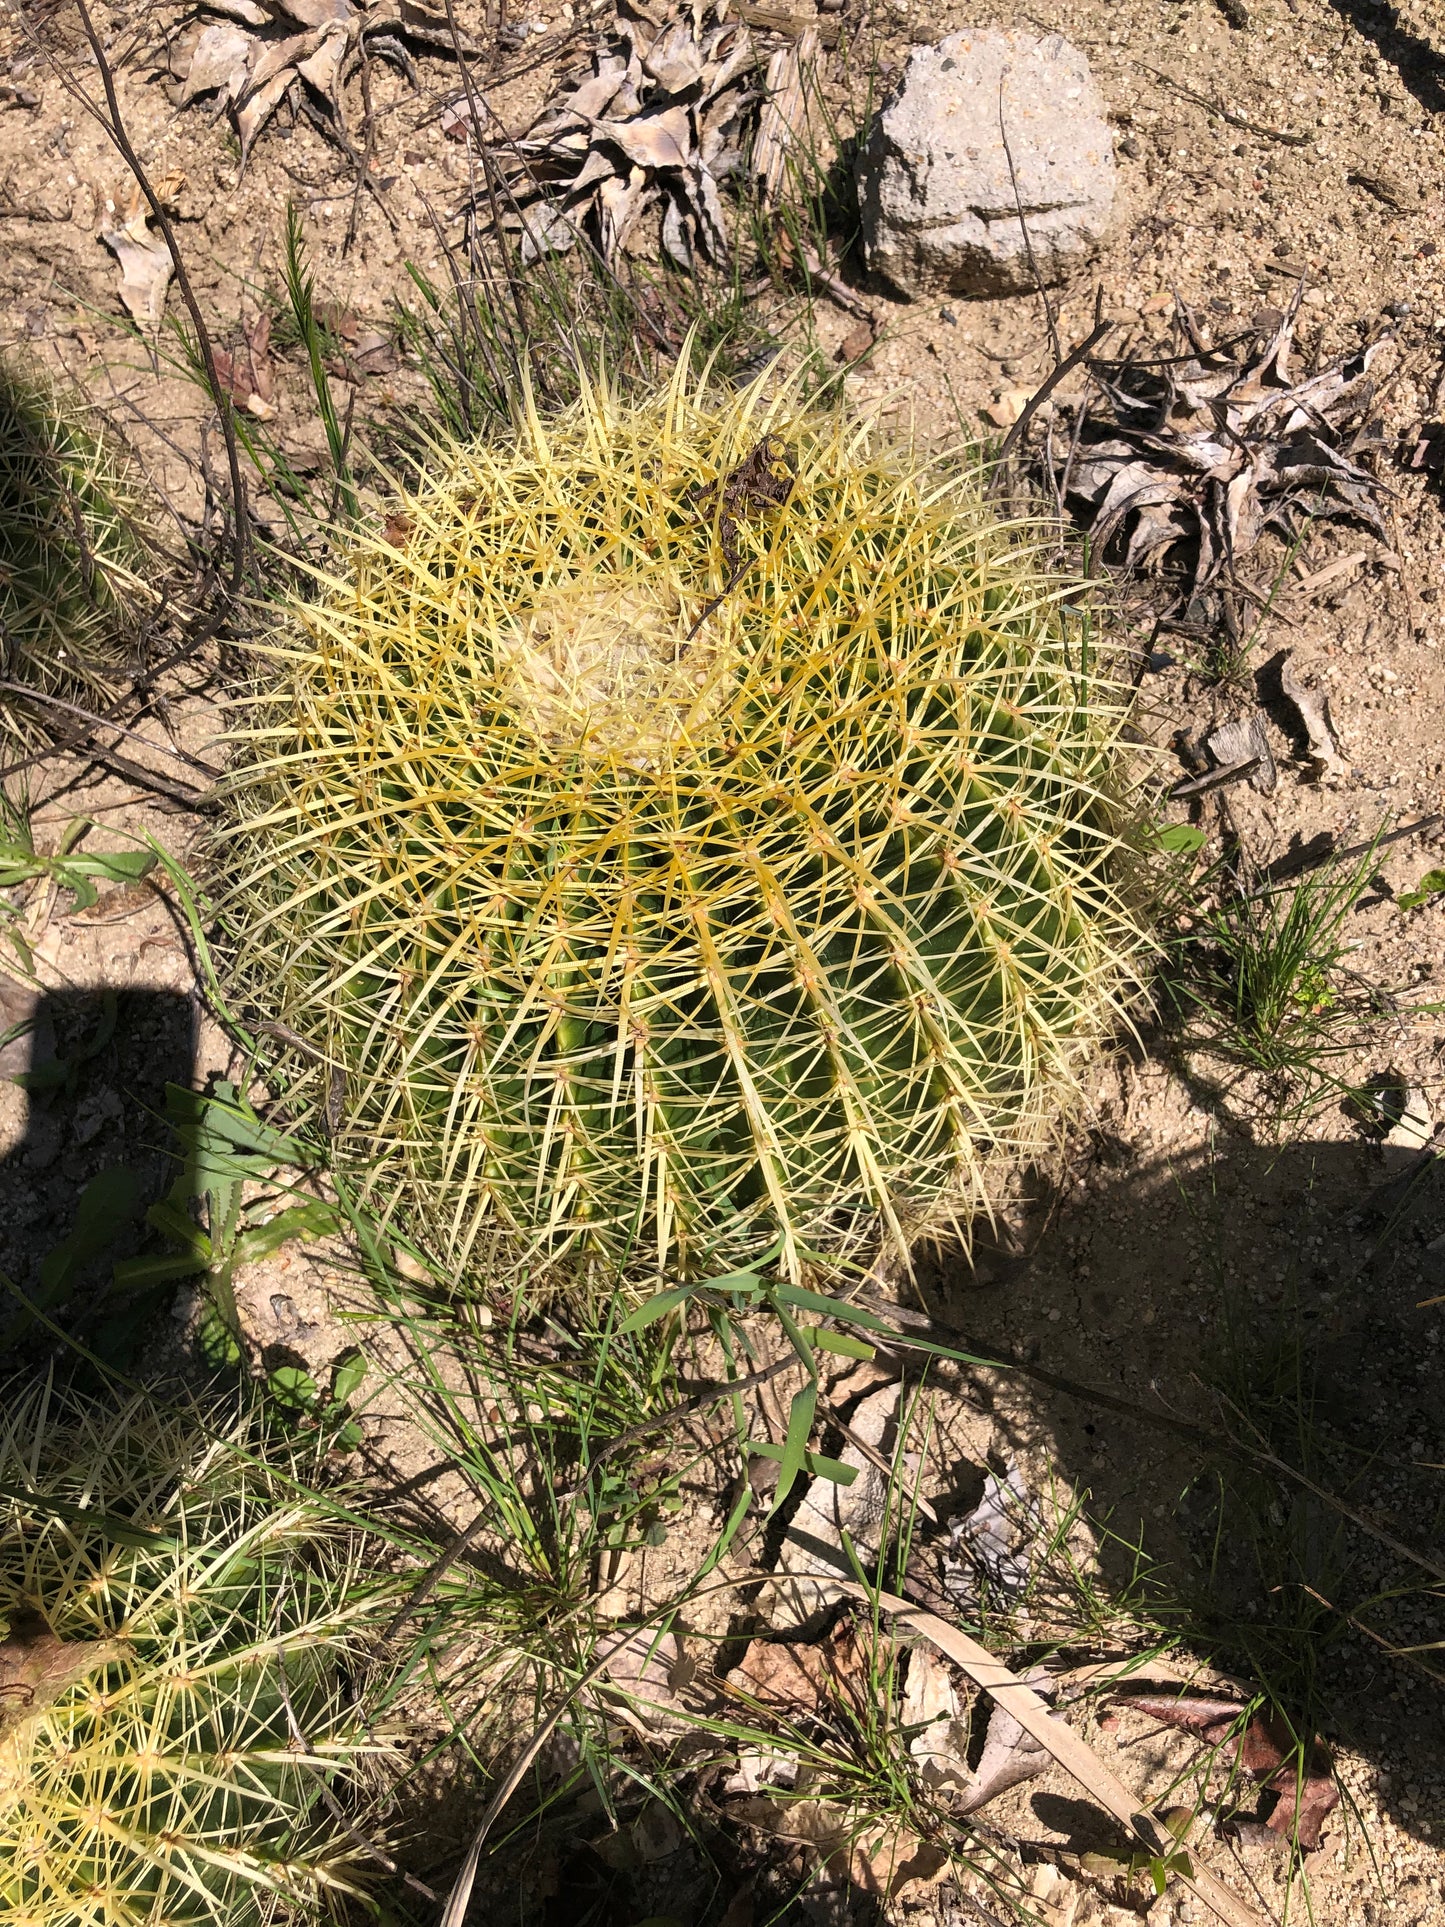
(1314, 713)
(146, 268)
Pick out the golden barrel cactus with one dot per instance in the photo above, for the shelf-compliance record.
(175, 1628)
(688, 830)
(79, 557)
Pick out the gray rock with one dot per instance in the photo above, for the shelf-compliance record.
(941, 206)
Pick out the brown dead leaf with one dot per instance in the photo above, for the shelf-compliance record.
(1314, 713)
(397, 529)
(802, 1681)
(36, 1668)
(878, 1860)
(220, 63)
(322, 69)
(259, 108)
(1187, 458)
(1266, 1749)
(247, 374)
(113, 906)
(1006, 408)
(320, 13)
(146, 268)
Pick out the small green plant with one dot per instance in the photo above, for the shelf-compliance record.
(78, 555)
(66, 866)
(301, 1405)
(176, 1619)
(1430, 886)
(1262, 979)
(225, 1147)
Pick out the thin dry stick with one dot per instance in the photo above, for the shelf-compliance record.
(1007, 1690)
(102, 722)
(459, 1899)
(114, 126)
(1042, 393)
(1048, 307)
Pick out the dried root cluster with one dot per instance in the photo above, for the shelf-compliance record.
(688, 828)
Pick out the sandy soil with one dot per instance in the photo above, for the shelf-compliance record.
(1177, 1226)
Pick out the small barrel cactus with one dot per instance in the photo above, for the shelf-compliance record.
(78, 557)
(174, 1628)
(690, 831)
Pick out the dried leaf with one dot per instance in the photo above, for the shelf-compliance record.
(277, 54)
(1010, 1754)
(800, 1682)
(36, 1668)
(321, 13)
(856, 343)
(1197, 447)
(220, 63)
(652, 140)
(930, 1714)
(880, 1861)
(146, 268)
(322, 69)
(1314, 713)
(246, 11)
(1265, 1749)
(1241, 740)
(262, 104)
(675, 60)
(989, 1547)
(247, 376)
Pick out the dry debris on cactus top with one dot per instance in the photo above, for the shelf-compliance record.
(1183, 462)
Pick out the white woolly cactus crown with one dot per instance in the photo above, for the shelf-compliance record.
(687, 830)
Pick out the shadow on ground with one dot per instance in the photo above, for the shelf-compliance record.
(83, 1152)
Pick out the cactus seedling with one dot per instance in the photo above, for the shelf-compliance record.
(174, 1623)
(690, 830)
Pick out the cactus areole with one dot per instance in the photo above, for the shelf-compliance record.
(691, 831)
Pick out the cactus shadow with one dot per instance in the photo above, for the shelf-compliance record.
(83, 1151)
(1175, 1308)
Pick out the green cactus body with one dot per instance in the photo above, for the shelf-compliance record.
(77, 556)
(687, 830)
(173, 1625)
